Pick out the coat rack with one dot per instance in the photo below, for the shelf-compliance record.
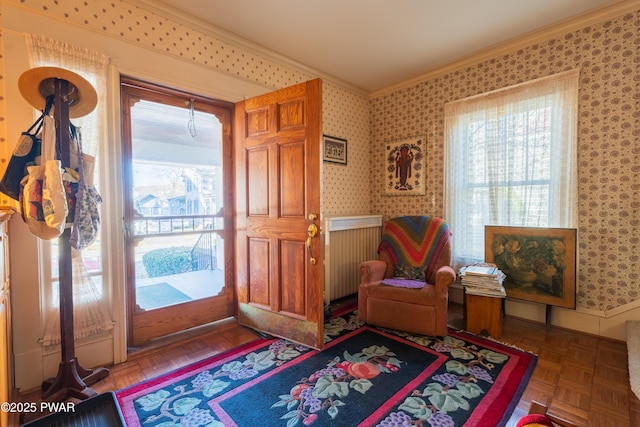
(72, 380)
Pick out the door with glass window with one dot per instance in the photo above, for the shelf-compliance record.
(178, 210)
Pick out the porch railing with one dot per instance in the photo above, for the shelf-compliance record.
(203, 252)
(154, 226)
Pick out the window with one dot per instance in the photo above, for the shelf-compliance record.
(91, 293)
(511, 160)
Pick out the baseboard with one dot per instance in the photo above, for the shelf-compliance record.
(604, 324)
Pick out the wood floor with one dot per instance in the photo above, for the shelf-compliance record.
(581, 378)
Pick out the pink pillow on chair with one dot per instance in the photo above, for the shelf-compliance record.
(401, 282)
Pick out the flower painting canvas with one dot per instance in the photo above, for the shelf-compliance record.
(405, 167)
(540, 263)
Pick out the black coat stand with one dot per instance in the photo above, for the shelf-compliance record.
(72, 380)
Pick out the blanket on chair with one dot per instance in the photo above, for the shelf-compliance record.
(415, 241)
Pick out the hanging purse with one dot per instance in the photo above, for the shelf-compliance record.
(86, 221)
(55, 204)
(43, 200)
(24, 154)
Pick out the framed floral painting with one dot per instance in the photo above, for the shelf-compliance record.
(405, 167)
(540, 263)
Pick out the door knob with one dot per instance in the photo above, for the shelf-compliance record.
(312, 231)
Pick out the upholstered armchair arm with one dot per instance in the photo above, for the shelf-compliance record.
(445, 276)
(372, 271)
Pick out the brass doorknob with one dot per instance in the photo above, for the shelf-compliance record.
(312, 231)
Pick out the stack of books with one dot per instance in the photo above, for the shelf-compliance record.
(483, 279)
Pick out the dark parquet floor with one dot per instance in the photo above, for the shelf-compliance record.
(581, 378)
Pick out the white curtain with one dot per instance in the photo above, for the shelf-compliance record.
(511, 159)
(91, 314)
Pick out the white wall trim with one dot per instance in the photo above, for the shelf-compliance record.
(509, 46)
(250, 46)
(338, 223)
(607, 324)
(593, 322)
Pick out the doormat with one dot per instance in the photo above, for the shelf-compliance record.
(159, 295)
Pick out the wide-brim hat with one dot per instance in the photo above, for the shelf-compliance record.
(37, 84)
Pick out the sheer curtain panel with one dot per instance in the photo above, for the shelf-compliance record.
(511, 159)
(91, 309)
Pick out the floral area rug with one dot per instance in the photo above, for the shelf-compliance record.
(364, 376)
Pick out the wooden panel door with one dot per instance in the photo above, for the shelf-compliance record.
(280, 272)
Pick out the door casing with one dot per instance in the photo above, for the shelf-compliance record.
(143, 326)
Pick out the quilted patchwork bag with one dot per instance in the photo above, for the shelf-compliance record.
(86, 221)
(25, 152)
(43, 200)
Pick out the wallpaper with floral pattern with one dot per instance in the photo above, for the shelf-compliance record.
(345, 188)
(607, 53)
(608, 56)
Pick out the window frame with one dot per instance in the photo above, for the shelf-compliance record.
(559, 94)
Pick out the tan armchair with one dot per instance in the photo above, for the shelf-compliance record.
(409, 244)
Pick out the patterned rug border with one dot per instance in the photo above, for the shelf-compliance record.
(440, 358)
(132, 392)
(490, 338)
(190, 368)
(527, 375)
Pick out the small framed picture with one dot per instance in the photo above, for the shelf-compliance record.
(334, 149)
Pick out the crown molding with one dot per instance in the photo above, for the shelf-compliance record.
(571, 24)
(199, 24)
(563, 27)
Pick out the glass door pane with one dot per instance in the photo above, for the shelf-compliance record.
(178, 204)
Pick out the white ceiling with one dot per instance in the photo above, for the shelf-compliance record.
(372, 44)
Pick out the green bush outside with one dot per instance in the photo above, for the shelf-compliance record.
(167, 261)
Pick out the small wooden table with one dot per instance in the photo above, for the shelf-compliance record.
(483, 313)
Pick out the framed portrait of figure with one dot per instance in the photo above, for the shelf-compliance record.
(405, 169)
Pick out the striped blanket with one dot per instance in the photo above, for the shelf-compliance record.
(415, 241)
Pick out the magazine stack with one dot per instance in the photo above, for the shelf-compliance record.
(483, 279)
